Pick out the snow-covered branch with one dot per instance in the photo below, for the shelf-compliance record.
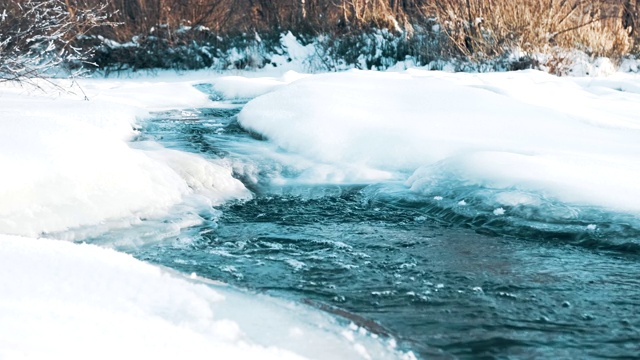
(37, 38)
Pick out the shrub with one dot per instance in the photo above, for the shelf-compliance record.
(37, 38)
(479, 29)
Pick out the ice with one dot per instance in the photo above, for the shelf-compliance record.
(207, 177)
(592, 179)
(64, 300)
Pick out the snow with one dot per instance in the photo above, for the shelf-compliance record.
(244, 87)
(66, 162)
(295, 50)
(64, 300)
(571, 139)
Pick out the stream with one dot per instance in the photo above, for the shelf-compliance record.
(447, 283)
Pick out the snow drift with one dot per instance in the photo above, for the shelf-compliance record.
(63, 300)
(66, 162)
(573, 140)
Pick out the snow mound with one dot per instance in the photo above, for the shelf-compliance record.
(573, 139)
(66, 163)
(63, 300)
(245, 87)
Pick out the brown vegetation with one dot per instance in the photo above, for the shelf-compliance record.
(37, 38)
(480, 28)
(470, 30)
(237, 16)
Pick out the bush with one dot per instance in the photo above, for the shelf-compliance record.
(481, 30)
(38, 37)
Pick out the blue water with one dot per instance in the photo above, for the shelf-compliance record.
(446, 281)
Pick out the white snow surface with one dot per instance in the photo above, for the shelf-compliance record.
(245, 87)
(571, 139)
(66, 162)
(67, 301)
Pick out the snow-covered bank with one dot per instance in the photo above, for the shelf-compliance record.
(66, 162)
(569, 139)
(63, 300)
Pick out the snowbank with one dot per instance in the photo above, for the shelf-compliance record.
(62, 300)
(572, 139)
(247, 87)
(66, 162)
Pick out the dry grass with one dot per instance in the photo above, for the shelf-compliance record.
(486, 28)
(242, 16)
(474, 28)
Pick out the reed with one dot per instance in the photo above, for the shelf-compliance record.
(479, 29)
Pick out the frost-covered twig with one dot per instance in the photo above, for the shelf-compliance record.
(37, 39)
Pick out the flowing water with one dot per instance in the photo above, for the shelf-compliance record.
(447, 280)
